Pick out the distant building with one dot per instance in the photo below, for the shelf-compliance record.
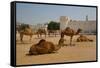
(64, 22)
(87, 26)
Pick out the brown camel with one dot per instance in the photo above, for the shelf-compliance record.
(25, 30)
(44, 47)
(83, 38)
(40, 32)
(53, 32)
(70, 32)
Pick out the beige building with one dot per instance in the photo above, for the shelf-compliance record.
(64, 22)
(88, 26)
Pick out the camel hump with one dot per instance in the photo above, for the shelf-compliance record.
(50, 46)
(67, 28)
(42, 40)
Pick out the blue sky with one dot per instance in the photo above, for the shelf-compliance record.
(41, 13)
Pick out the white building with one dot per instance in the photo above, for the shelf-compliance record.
(87, 26)
(64, 22)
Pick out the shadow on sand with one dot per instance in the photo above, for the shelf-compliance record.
(69, 45)
(23, 42)
(39, 54)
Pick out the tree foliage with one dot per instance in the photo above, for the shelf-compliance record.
(53, 25)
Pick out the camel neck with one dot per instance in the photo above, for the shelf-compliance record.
(77, 32)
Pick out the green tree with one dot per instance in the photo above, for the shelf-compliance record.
(53, 25)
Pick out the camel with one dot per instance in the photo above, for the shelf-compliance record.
(44, 47)
(52, 32)
(83, 38)
(40, 32)
(70, 32)
(25, 30)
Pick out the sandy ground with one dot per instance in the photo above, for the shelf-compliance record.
(82, 51)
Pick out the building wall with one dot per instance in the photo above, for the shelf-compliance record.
(86, 26)
(64, 22)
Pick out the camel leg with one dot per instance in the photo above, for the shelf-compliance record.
(45, 35)
(38, 35)
(30, 37)
(21, 37)
(70, 40)
(55, 34)
(49, 34)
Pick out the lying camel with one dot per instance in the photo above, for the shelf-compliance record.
(83, 38)
(44, 47)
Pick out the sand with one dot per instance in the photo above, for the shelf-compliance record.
(82, 51)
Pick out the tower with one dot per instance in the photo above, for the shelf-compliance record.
(64, 22)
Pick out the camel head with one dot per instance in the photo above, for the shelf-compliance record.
(78, 31)
(60, 43)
